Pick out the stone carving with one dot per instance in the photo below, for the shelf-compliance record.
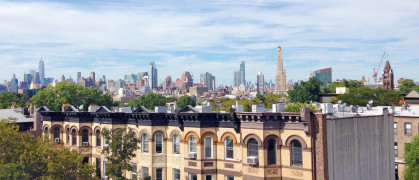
(252, 170)
(272, 171)
(297, 173)
(227, 165)
(190, 163)
(159, 159)
(208, 164)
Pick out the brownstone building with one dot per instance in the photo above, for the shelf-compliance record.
(193, 145)
(388, 77)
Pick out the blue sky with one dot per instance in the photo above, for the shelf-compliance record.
(114, 39)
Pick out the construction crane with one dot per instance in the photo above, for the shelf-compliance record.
(374, 75)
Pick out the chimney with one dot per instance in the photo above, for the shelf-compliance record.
(65, 106)
(31, 109)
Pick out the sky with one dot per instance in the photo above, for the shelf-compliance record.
(114, 38)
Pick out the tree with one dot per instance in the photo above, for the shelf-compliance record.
(361, 96)
(343, 83)
(305, 91)
(407, 85)
(296, 107)
(68, 93)
(150, 101)
(25, 157)
(7, 98)
(411, 157)
(272, 99)
(186, 100)
(121, 150)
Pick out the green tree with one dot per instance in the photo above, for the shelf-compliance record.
(407, 85)
(186, 100)
(272, 99)
(121, 150)
(150, 101)
(361, 96)
(343, 83)
(7, 98)
(412, 160)
(305, 91)
(68, 93)
(296, 107)
(25, 157)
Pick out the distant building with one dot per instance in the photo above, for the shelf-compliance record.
(198, 90)
(93, 77)
(208, 80)
(41, 69)
(323, 75)
(187, 79)
(130, 78)
(152, 73)
(236, 77)
(167, 82)
(242, 73)
(78, 77)
(281, 74)
(260, 82)
(388, 76)
(14, 84)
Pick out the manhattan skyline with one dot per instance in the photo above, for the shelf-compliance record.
(114, 39)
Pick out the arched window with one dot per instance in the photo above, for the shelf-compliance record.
(176, 144)
(57, 133)
(98, 140)
(271, 152)
(252, 147)
(296, 153)
(85, 137)
(46, 131)
(68, 135)
(192, 144)
(144, 143)
(208, 147)
(229, 148)
(73, 137)
(159, 143)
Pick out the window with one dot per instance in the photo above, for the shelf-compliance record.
(192, 144)
(208, 147)
(145, 172)
(193, 177)
(105, 164)
(73, 137)
(271, 152)
(46, 131)
(68, 136)
(252, 148)
(395, 148)
(176, 174)
(229, 148)
(229, 178)
(56, 133)
(395, 127)
(85, 136)
(159, 143)
(98, 140)
(407, 128)
(105, 142)
(98, 167)
(144, 143)
(209, 177)
(134, 171)
(176, 144)
(159, 174)
(296, 153)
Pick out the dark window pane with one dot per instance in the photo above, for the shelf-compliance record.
(271, 152)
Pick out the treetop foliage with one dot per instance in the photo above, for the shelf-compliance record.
(68, 93)
(186, 100)
(150, 101)
(411, 157)
(7, 98)
(380, 96)
(407, 85)
(343, 83)
(306, 91)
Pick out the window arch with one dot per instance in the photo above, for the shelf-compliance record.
(85, 137)
(296, 153)
(208, 147)
(98, 140)
(229, 148)
(176, 144)
(192, 141)
(46, 131)
(252, 147)
(144, 143)
(56, 133)
(73, 137)
(68, 135)
(271, 152)
(159, 143)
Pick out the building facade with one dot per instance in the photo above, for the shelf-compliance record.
(152, 75)
(281, 74)
(388, 76)
(323, 75)
(224, 146)
(261, 83)
(41, 69)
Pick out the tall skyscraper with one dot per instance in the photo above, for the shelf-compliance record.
(209, 81)
(14, 84)
(41, 69)
(281, 75)
(93, 77)
(78, 77)
(237, 78)
(152, 74)
(242, 73)
(261, 83)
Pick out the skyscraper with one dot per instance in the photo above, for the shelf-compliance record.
(324, 75)
(93, 77)
(281, 75)
(78, 76)
(209, 81)
(14, 84)
(261, 83)
(236, 78)
(152, 73)
(242, 73)
(41, 69)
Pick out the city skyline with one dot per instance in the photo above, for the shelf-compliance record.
(114, 39)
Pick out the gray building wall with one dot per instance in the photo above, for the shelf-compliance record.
(361, 147)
